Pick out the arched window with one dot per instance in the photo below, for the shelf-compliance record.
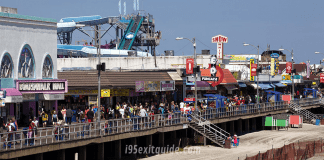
(6, 66)
(48, 67)
(26, 66)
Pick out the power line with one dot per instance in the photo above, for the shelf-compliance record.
(183, 47)
(205, 45)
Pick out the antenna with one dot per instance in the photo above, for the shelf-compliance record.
(134, 5)
(119, 5)
(138, 5)
(124, 8)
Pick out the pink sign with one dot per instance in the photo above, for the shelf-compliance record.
(139, 86)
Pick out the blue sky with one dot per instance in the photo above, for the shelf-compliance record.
(291, 24)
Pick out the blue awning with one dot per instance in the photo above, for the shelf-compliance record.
(280, 85)
(286, 81)
(242, 84)
(265, 86)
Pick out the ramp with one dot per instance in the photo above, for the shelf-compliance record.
(297, 109)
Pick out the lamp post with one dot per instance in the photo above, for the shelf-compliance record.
(320, 53)
(245, 44)
(292, 68)
(193, 41)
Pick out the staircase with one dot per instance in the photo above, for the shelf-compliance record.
(295, 108)
(208, 130)
(132, 28)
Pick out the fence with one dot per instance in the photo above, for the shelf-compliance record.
(299, 150)
(26, 138)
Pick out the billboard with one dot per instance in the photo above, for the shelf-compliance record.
(241, 58)
(152, 86)
(167, 85)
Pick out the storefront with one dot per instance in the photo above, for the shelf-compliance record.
(38, 96)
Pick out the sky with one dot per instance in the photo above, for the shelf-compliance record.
(291, 24)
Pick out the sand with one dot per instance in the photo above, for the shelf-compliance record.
(251, 144)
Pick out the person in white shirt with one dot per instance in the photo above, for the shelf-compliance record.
(35, 122)
(122, 112)
(181, 104)
(140, 105)
(143, 112)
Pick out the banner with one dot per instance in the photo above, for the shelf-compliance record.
(288, 67)
(167, 85)
(139, 86)
(133, 93)
(152, 86)
(274, 66)
(189, 65)
(253, 69)
(251, 62)
(322, 78)
(307, 72)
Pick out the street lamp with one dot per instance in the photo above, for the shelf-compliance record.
(245, 44)
(292, 68)
(193, 41)
(322, 59)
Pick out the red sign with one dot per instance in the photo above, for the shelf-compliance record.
(219, 39)
(253, 69)
(288, 67)
(322, 78)
(189, 65)
(189, 99)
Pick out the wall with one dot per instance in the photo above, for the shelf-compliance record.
(163, 62)
(41, 36)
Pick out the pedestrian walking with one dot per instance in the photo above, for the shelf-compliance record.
(69, 114)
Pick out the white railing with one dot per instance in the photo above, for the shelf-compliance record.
(42, 136)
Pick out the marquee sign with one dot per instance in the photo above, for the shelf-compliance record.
(220, 39)
(42, 86)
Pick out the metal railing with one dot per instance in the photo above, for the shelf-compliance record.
(60, 133)
(43, 136)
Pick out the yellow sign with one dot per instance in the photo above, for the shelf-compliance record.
(82, 92)
(251, 62)
(119, 92)
(285, 77)
(105, 93)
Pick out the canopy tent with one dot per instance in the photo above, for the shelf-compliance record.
(216, 97)
(310, 90)
(262, 86)
(277, 95)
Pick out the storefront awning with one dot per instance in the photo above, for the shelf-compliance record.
(242, 85)
(280, 85)
(230, 87)
(12, 95)
(261, 86)
(11, 92)
(175, 76)
(286, 81)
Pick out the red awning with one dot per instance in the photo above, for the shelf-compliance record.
(228, 77)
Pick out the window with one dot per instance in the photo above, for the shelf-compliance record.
(47, 67)
(26, 67)
(6, 66)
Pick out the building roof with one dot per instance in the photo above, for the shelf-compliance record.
(228, 77)
(298, 67)
(89, 79)
(10, 15)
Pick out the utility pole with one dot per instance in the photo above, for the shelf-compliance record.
(195, 64)
(293, 73)
(97, 44)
